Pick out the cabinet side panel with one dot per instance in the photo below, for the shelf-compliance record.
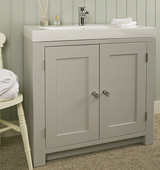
(34, 98)
(39, 104)
(28, 88)
(150, 90)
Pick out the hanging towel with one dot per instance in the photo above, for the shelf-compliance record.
(123, 22)
(9, 86)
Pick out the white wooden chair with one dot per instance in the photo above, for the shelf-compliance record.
(22, 122)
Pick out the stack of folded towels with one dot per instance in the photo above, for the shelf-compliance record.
(126, 22)
(9, 86)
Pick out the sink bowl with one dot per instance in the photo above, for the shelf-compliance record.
(86, 27)
(56, 28)
(54, 33)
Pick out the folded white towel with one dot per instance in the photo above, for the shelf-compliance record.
(134, 23)
(9, 86)
(123, 22)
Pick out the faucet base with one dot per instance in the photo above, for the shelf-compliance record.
(82, 14)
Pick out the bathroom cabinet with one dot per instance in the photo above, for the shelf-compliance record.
(88, 95)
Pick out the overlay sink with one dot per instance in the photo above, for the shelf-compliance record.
(59, 33)
(86, 27)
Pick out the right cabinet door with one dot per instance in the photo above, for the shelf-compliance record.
(122, 89)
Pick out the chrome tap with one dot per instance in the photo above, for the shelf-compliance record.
(82, 14)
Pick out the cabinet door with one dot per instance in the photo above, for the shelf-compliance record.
(72, 113)
(123, 74)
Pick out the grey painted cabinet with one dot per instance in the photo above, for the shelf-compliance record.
(72, 113)
(72, 74)
(64, 118)
(123, 75)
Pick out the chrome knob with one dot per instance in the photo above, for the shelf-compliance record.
(95, 94)
(105, 92)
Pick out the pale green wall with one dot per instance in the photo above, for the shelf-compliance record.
(14, 14)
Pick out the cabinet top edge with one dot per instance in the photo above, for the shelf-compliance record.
(67, 33)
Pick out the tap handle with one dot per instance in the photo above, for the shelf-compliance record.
(86, 12)
(81, 8)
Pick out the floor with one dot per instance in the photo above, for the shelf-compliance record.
(133, 157)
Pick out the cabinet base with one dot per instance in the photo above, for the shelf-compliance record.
(94, 148)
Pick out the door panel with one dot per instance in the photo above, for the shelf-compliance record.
(72, 113)
(123, 74)
(118, 67)
(75, 107)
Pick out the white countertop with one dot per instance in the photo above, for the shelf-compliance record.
(74, 32)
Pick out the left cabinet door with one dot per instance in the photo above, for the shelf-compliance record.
(72, 112)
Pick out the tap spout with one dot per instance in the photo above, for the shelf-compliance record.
(82, 15)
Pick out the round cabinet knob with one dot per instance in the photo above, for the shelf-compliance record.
(95, 94)
(105, 92)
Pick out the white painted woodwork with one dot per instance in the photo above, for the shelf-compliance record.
(110, 10)
(151, 14)
(123, 74)
(72, 113)
(13, 102)
(7, 104)
(121, 8)
(67, 17)
(90, 7)
(2, 40)
(5, 28)
(131, 9)
(10, 125)
(16, 45)
(24, 133)
(141, 12)
(10, 132)
(100, 11)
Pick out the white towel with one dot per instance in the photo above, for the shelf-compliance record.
(9, 86)
(123, 22)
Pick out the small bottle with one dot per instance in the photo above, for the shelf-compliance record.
(44, 21)
(57, 21)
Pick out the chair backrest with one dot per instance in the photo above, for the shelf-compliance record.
(2, 41)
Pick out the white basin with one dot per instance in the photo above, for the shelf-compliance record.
(86, 27)
(53, 33)
(54, 28)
